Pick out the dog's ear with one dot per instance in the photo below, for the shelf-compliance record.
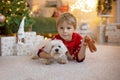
(63, 46)
(48, 47)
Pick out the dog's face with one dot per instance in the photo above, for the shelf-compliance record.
(56, 48)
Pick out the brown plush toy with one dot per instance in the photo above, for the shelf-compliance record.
(91, 44)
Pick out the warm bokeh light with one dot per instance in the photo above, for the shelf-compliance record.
(84, 5)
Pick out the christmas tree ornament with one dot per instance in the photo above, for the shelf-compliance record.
(2, 18)
(21, 33)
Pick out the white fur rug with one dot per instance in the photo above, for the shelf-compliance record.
(101, 65)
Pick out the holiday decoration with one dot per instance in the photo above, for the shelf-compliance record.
(21, 34)
(104, 6)
(107, 6)
(99, 7)
(2, 18)
(84, 29)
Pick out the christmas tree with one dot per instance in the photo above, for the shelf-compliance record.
(14, 11)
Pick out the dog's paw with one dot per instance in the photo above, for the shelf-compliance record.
(62, 61)
(34, 57)
(46, 61)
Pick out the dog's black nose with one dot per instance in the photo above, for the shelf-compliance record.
(56, 50)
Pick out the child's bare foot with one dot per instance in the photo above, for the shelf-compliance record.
(91, 44)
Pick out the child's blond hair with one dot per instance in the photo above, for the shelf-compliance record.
(67, 17)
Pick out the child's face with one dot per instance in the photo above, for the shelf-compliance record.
(65, 30)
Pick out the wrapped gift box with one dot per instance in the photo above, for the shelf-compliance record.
(113, 33)
(10, 47)
(27, 47)
(7, 45)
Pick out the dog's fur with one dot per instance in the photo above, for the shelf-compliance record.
(57, 50)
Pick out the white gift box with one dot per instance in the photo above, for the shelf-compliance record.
(7, 46)
(27, 47)
(113, 33)
(10, 47)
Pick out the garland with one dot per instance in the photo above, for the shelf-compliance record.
(104, 6)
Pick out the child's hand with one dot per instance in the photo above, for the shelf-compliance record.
(90, 43)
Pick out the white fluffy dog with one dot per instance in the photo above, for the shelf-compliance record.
(57, 50)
